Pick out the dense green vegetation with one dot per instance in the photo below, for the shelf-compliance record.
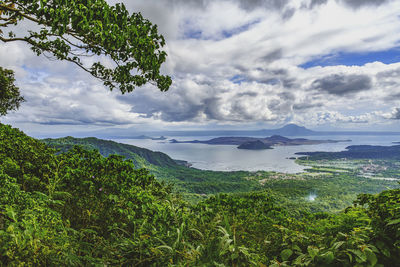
(141, 157)
(336, 188)
(185, 179)
(358, 152)
(80, 208)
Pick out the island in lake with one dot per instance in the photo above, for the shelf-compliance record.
(259, 143)
(254, 145)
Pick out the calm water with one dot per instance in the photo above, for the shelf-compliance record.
(229, 158)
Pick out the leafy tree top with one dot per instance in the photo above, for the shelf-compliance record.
(76, 29)
(10, 98)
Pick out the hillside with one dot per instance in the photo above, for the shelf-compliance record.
(334, 193)
(82, 209)
(141, 157)
(185, 179)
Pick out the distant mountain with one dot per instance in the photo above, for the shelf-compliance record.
(275, 140)
(290, 130)
(141, 137)
(287, 130)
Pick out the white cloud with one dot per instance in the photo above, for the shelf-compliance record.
(243, 68)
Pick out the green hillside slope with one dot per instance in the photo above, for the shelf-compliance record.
(185, 179)
(82, 209)
(141, 157)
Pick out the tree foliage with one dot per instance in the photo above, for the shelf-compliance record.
(77, 29)
(81, 209)
(10, 98)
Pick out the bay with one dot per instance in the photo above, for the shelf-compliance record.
(229, 158)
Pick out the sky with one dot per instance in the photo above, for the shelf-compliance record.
(235, 64)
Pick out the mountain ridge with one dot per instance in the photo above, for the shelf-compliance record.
(286, 130)
(107, 147)
(274, 140)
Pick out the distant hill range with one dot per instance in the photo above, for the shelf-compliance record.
(287, 130)
(357, 152)
(259, 143)
(148, 137)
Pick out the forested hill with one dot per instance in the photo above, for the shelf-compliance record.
(82, 209)
(163, 167)
(141, 157)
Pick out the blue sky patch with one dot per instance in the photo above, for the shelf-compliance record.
(240, 29)
(238, 79)
(191, 31)
(355, 59)
(192, 34)
(35, 75)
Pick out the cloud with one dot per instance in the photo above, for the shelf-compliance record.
(396, 114)
(339, 119)
(315, 3)
(67, 102)
(233, 61)
(272, 56)
(340, 84)
(306, 106)
(268, 4)
(361, 3)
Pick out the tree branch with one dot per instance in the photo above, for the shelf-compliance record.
(10, 9)
(14, 39)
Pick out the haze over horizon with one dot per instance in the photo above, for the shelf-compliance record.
(235, 64)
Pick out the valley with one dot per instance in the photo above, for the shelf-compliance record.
(133, 205)
(176, 133)
(336, 183)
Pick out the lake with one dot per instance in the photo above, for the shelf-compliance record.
(229, 158)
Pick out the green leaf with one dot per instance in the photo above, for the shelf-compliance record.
(312, 251)
(397, 221)
(286, 253)
(327, 257)
(371, 257)
(385, 251)
(337, 245)
(360, 255)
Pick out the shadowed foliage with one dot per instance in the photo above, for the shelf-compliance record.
(10, 98)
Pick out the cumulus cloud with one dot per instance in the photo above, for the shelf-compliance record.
(233, 61)
(396, 114)
(68, 102)
(360, 3)
(340, 84)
